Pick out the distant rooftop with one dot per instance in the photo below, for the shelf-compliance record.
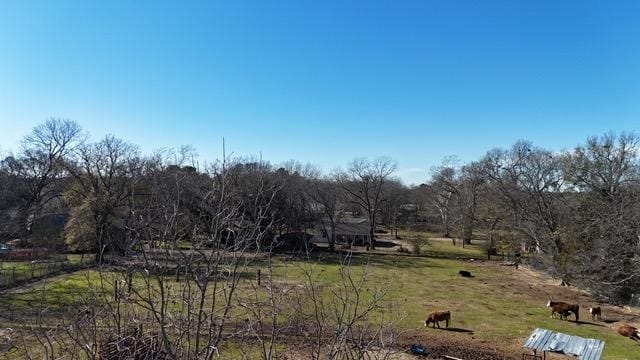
(352, 220)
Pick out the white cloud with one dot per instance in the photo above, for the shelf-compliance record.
(405, 171)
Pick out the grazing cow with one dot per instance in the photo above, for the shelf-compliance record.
(436, 317)
(464, 273)
(595, 311)
(629, 331)
(563, 309)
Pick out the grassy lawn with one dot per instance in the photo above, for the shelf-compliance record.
(485, 307)
(497, 306)
(65, 258)
(433, 245)
(57, 294)
(18, 272)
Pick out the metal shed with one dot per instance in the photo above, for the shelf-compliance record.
(546, 340)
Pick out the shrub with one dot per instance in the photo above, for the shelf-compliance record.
(415, 246)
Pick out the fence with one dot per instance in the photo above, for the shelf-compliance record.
(17, 273)
(25, 254)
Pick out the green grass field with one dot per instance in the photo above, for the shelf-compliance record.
(499, 306)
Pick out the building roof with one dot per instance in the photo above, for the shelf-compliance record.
(408, 207)
(348, 225)
(361, 228)
(352, 220)
(547, 340)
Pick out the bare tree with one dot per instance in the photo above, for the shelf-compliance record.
(395, 195)
(222, 246)
(337, 321)
(606, 175)
(326, 195)
(441, 190)
(529, 181)
(105, 176)
(294, 207)
(363, 182)
(466, 192)
(40, 166)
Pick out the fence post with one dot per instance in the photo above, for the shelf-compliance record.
(14, 275)
(129, 280)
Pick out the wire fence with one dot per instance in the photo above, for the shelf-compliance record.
(14, 273)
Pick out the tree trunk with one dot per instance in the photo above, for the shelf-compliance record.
(332, 238)
(467, 231)
(371, 239)
(445, 223)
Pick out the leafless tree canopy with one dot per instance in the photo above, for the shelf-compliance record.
(363, 182)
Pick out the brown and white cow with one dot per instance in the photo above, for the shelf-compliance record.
(595, 312)
(629, 331)
(436, 317)
(563, 309)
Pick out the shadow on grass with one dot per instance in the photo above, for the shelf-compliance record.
(385, 244)
(401, 261)
(458, 330)
(451, 255)
(589, 323)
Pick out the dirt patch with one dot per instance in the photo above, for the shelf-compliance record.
(460, 345)
(463, 347)
(437, 345)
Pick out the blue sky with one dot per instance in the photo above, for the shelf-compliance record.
(324, 81)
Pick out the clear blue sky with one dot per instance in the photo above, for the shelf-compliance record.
(324, 81)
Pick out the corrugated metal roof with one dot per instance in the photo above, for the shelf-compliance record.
(547, 340)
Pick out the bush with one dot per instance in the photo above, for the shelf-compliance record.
(403, 250)
(415, 246)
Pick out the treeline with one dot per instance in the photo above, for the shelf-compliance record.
(64, 191)
(576, 212)
(577, 209)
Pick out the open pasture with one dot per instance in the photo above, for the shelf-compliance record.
(497, 308)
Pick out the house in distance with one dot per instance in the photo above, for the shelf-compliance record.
(348, 230)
